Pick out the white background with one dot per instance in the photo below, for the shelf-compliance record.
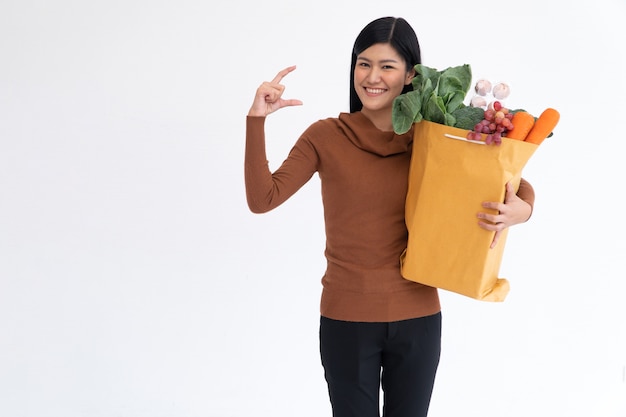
(134, 282)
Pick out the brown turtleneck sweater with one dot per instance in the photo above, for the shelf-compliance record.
(364, 175)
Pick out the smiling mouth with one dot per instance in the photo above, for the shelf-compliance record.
(375, 90)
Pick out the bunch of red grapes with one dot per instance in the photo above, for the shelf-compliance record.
(496, 122)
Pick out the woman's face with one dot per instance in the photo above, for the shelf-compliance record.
(379, 77)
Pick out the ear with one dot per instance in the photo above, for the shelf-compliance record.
(409, 76)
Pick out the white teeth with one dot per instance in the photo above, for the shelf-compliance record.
(375, 90)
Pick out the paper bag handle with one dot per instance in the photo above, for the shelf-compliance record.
(478, 142)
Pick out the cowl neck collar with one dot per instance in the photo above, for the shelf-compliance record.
(365, 135)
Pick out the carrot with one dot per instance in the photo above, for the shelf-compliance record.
(522, 123)
(543, 127)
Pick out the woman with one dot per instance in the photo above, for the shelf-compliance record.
(376, 327)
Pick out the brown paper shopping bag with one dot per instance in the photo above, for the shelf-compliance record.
(448, 180)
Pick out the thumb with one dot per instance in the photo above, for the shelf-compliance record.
(292, 102)
(510, 191)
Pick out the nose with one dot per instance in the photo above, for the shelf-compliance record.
(374, 75)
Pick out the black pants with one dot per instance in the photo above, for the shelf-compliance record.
(358, 357)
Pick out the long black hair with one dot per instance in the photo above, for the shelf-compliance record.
(392, 30)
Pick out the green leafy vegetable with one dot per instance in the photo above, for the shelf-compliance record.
(437, 96)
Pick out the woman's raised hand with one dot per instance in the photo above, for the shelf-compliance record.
(268, 96)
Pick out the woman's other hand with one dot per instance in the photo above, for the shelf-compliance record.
(513, 211)
(268, 96)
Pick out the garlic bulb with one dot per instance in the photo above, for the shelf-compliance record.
(483, 87)
(478, 101)
(501, 91)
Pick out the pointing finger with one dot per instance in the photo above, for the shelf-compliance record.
(282, 74)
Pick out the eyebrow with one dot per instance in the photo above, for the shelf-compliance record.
(384, 61)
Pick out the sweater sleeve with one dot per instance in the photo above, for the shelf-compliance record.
(527, 193)
(266, 190)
